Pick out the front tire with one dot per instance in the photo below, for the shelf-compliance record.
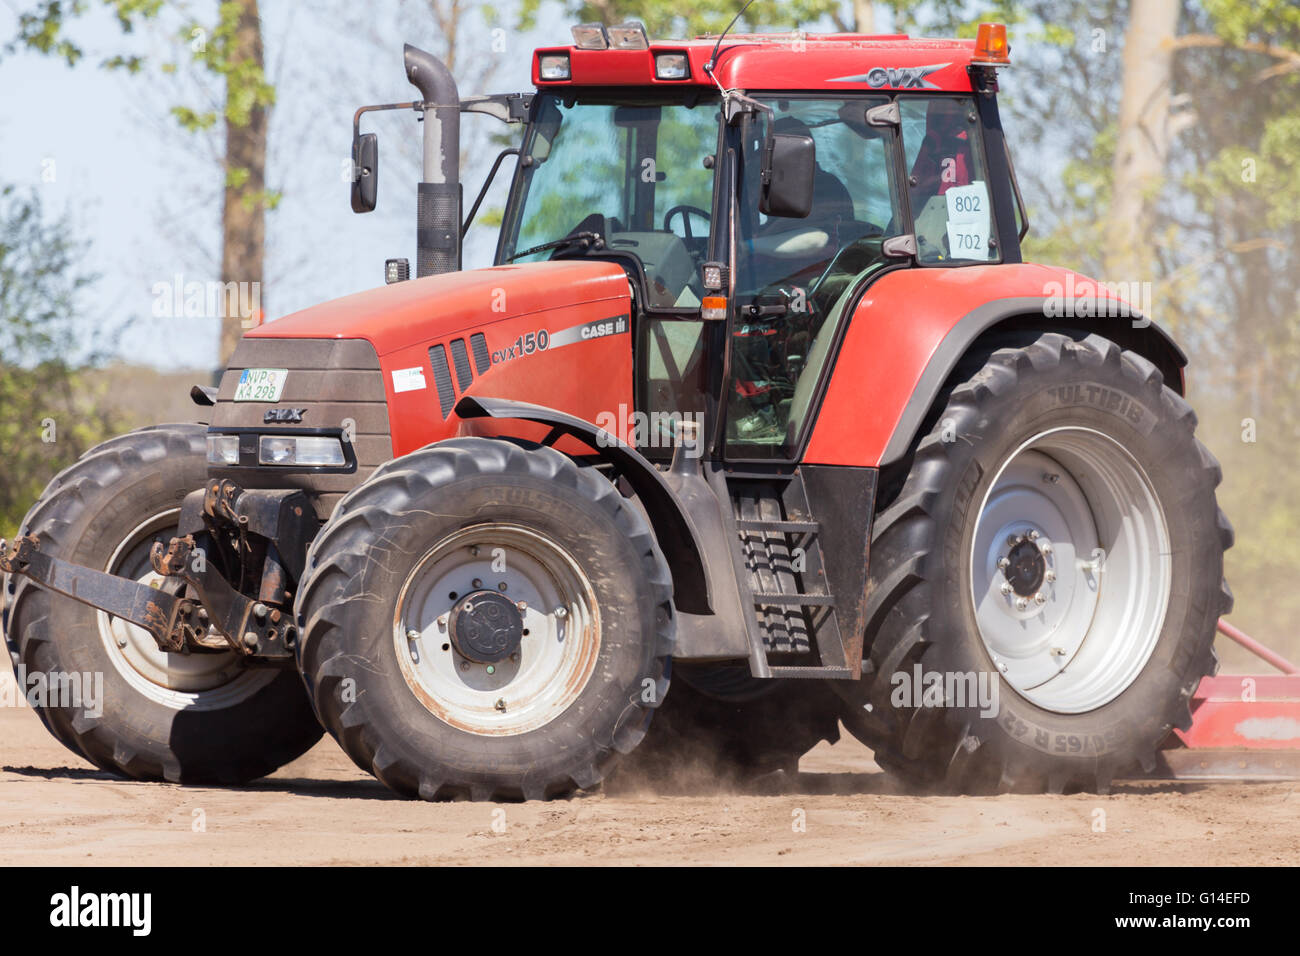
(185, 718)
(1058, 545)
(487, 621)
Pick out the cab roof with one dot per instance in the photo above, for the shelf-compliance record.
(779, 61)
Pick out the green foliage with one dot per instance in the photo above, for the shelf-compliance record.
(49, 415)
(43, 28)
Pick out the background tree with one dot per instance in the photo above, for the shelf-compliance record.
(229, 49)
(49, 412)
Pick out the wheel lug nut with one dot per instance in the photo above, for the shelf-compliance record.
(478, 582)
(1004, 563)
(1021, 604)
(1058, 651)
(501, 586)
(1049, 577)
(522, 605)
(1005, 588)
(474, 551)
(412, 635)
(1040, 598)
(1045, 548)
(464, 665)
(501, 704)
(1051, 478)
(1002, 666)
(1012, 540)
(561, 611)
(491, 669)
(1033, 536)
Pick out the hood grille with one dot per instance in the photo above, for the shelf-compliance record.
(331, 381)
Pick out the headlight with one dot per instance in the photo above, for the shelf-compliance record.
(553, 66)
(672, 66)
(300, 450)
(223, 449)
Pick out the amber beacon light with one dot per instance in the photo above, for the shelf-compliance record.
(991, 47)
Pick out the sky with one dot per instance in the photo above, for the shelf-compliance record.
(100, 147)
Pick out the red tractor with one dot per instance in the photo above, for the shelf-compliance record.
(759, 399)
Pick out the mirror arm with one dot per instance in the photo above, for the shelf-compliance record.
(356, 124)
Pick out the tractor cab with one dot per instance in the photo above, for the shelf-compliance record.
(751, 188)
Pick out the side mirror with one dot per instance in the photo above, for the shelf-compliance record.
(365, 172)
(788, 173)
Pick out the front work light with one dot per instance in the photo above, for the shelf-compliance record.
(628, 36)
(590, 36)
(553, 66)
(672, 66)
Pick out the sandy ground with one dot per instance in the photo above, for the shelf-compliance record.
(840, 809)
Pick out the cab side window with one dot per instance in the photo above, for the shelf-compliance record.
(947, 180)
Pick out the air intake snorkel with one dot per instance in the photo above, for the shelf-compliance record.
(438, 212)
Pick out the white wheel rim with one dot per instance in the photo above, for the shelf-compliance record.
(195, 681)
(555, 657)
(1072, 510)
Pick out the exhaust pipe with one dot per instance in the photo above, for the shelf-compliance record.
(438, 212)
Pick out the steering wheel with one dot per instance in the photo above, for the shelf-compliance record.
(685, 209)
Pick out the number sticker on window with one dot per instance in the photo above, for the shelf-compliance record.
(968, 221)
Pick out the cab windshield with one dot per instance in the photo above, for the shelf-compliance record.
(620, 175)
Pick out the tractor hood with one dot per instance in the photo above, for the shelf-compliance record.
(397, 316)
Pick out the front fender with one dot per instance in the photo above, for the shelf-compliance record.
(678, 538)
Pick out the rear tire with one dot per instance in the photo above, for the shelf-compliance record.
(435, 534)
(185, 718)
(1056, 453)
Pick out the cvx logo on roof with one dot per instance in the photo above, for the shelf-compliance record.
(895, 77)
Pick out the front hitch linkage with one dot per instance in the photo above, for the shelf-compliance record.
(175, 622)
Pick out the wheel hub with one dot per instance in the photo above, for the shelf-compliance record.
(486, 627)
(497, 630)
(1070, 569)
(1026, 568)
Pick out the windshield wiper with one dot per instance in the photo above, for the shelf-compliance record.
(585, 239)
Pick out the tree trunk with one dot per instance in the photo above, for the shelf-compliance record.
(243, 216)
(1143, 141)
(864, 17)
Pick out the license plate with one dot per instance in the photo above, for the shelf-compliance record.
(261, 384)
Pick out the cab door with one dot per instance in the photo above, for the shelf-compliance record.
(797, 279)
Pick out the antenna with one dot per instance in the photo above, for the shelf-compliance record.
(713, 57)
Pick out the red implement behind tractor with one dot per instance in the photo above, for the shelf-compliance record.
(759, 424)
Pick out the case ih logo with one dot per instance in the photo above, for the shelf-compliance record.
(896, 77)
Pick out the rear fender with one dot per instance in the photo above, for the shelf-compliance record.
(913, 326)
